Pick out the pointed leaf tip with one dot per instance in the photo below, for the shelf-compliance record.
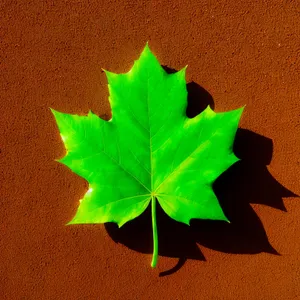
(110, 75)
(55, 113)
(52, 110)
(146, 50)
(182, 72)
(147, 46)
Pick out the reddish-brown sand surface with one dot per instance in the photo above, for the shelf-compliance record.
(238, 52)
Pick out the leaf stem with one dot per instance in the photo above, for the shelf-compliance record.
(154, 229)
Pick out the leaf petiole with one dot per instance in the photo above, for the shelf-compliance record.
(154, 229)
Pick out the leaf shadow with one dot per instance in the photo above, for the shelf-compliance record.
(248, 181)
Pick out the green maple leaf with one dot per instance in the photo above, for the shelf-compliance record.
(149, 151)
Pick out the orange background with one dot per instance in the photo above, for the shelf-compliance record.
(238, 52)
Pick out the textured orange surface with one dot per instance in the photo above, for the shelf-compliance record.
(238, 52)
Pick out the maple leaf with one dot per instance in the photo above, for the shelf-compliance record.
(149, 151)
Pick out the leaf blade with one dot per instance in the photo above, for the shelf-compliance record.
(149, 149)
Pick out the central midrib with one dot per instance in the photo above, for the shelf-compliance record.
(150, 135)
